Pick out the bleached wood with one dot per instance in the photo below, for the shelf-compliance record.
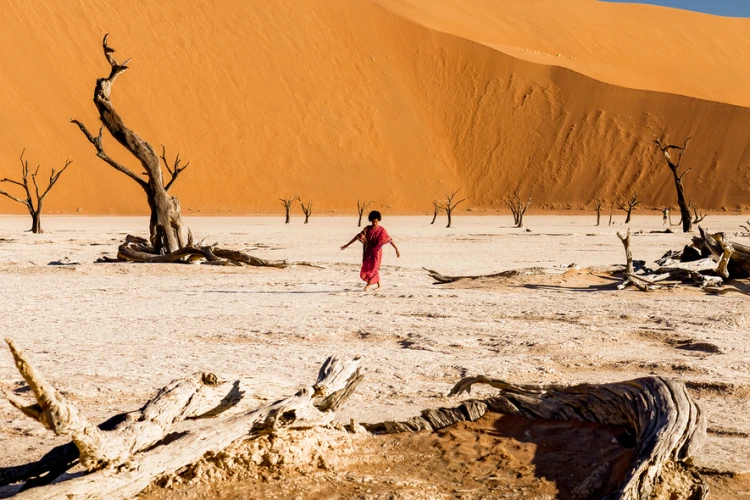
(668, 426)
(139, 457)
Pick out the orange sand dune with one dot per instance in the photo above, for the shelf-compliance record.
(343, 99)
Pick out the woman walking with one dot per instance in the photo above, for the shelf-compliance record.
(373, 238)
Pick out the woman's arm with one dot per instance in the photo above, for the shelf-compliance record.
(393, 244)
(353, 240)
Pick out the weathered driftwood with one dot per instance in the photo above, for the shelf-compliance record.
(528, 271)
(34, 203)
(137, 249)
(738, 263)
(127, 456)
(680, 267)
(667, 427)
(640, 282)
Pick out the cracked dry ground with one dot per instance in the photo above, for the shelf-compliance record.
(109, 335)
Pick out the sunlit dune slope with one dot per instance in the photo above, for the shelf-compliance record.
(343, 99)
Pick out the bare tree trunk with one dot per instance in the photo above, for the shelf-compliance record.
(687, 222)
(598, 215)
(629, 212)
(687, 225)
(611, 211)
(436, 210)
(36, 224)
(166, 219)
(361, 207)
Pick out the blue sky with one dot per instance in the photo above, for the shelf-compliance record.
(732, 8)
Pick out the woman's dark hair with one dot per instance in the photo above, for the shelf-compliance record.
(374, 215)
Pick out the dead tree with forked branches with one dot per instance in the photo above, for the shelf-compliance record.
(34, 202)
(698, 215)
(611, 213)
(450, 205)
(674, 165)
(307, 210)
(361, 207)
(518, 208)
(630, 206)
(598, 207)
(287, 204)
(436, 207)
(170, 240)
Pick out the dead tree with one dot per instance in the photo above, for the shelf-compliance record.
(306, 209)
(436, 210)
(698, 215)
(132, 450)
(611, 212)
(361, 207)
(746, 226)
(170, 240)
(35, 202)
(674, 165)
(449, 206)
(287, 204)
(632, 203)
(166, 226)
(518, 208)
(666, 425)
(598, 208)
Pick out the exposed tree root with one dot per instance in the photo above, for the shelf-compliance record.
(136, 249)
(666, 425)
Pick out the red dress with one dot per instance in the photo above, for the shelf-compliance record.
(373, 239)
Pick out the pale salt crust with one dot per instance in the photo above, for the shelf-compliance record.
(109, 335)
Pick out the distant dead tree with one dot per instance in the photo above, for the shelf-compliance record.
(166, 227)
(630, 206)
(34, 207)
(598, 208)
(518, 208)
(674, 165)
(436, 210)
(746, 226)
(287, 204)
(361, 207)
(611, 212)
(450, 205)
(306, 209)
(170, 241)
(698, 214)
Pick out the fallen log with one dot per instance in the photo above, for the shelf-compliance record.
(528, 271)
(125, 457)
(738, 264)
(667, 427)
